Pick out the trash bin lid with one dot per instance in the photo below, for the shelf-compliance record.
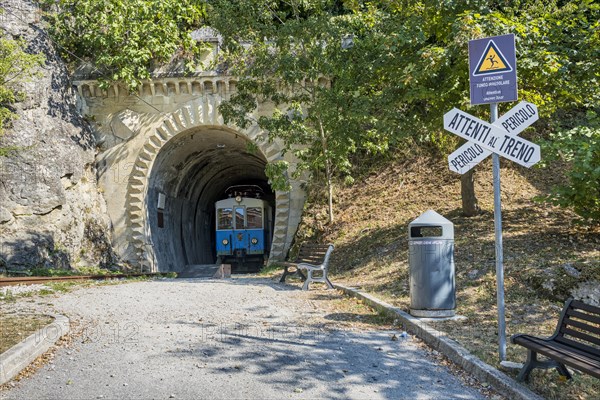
(431, 218)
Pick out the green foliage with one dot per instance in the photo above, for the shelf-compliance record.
(277, 173)
(580, 148)
(41, 271)
(96, 271)
(16, 67)
(271, 269)
(124, 39)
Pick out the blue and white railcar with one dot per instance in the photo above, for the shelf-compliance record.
(242, 229)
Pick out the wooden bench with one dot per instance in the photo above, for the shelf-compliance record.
(576, 343)
(313, 258)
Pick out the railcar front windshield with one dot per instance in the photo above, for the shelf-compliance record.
(240, 218)
(254, 218)
(224, 218)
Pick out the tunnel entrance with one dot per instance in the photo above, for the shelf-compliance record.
(190, 173)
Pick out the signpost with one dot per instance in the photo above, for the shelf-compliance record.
(493, 79)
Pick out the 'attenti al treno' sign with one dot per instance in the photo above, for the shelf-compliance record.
(492, 137)
(513, 122)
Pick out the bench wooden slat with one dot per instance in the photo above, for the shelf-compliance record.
(588, 317)
(309, 251)
(578, 345)
(571, 359)
(581, 335)
(582, 325)
(310, 260)
(315, 251)
(312, 254)
(565, 354)
(579, 354)
(586, 307)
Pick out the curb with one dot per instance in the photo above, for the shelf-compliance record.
(439, 341)
(15, 359)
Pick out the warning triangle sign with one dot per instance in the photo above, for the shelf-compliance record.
(492, 61)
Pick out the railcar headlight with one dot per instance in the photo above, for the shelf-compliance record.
(254, 240)
(225, 242)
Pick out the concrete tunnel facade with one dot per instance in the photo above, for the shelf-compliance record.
(169, 139)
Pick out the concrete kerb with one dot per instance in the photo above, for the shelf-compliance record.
(448, 347)
(18, 357)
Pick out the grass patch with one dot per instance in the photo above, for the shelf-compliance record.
(16, 328)
(271, 270)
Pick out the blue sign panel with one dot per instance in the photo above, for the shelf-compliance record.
(493, 69)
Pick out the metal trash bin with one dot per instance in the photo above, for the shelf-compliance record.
(431, 263)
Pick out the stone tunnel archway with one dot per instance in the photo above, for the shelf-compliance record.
(165, 139)
(190, 147)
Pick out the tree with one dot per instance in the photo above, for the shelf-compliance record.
(125, 39)
(580, 147)
(16, 67)
(290, 54)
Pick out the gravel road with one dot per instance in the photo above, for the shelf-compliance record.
(246, 338)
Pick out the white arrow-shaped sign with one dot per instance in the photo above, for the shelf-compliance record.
(491, 137)
(513, 122)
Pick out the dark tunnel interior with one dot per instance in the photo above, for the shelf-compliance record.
(192, 172)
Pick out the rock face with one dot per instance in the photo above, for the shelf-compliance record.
(588, 292)
(51, 213)
(580, 281)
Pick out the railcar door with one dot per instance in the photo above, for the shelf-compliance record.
(240, 237)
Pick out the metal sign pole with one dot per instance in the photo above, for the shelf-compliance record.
(499, 251)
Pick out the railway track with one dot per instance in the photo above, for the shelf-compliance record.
(36, 280)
